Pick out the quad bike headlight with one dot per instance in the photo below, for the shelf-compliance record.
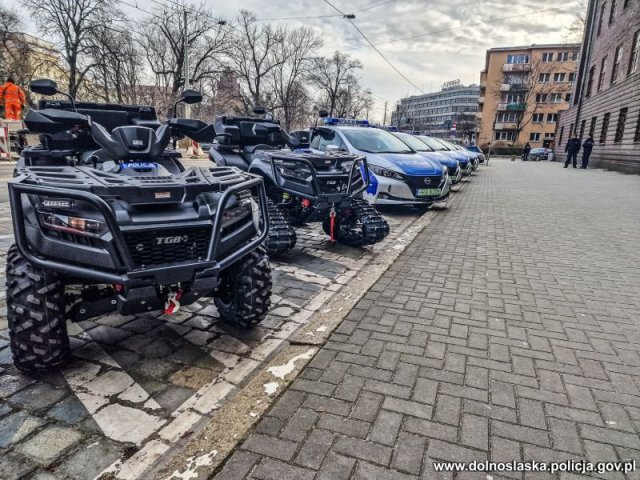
(71, 224)
(383, 172)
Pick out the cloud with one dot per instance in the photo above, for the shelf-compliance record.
(427, 60)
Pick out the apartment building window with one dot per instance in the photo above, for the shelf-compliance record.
(635, 53)
(534, 137)
(567, 97)
(549, 136)
(592, 127)
(561, 135)
(572, 76)
(592, 73)
(601, 18)
(537, 117)
(605, 127)
(574, 56)
(504, 135)
(636, 136)
(582, 125)
(552, 117)
(514, 98)
(541, 98)
(506, 117)
(612, 11)
(558, 77)
(563, 56)
(544, 77)
(617, 59)
(555, 98)
(547, 57)
(520, 58)
(603, 68)
(622, 120)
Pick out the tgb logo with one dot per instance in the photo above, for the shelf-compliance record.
(172, 240)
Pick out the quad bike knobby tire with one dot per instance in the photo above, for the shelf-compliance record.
(37, 327)
(282, 236)
(244, 294)
(366, 228)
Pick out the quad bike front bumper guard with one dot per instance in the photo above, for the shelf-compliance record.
(299, 176)
(126, 273)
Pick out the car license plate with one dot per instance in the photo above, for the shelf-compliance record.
(428, 192)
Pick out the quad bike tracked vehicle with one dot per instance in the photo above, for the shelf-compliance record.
(302, 186)
(106, 218)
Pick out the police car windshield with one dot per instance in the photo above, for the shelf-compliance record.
(373, 140)
(452, 146)
(413, 142)
(436, 145)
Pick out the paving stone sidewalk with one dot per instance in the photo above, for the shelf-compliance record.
(508, 330)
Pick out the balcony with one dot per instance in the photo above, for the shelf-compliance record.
(516, 67)
(505, 126)
(511, 106)
(513, 87)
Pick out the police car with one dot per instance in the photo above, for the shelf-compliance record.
(475, 157)
(453, 166)
(439, 145)
(399, 176)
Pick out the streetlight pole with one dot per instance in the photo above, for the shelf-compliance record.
(187, 107)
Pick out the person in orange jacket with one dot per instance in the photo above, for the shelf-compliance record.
(14, 99)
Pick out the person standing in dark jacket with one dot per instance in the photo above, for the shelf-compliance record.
(572, 149)
(525, 152)
(587, 146)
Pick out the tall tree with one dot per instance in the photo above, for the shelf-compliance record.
(524, 92)
(293, 60)
(162, 38)
(73, 24)
(253, 57)
(331, 74)
(119, 61)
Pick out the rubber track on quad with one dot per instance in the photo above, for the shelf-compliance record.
(37, 327)
(282, 236)
(250, 286)
(374, 226)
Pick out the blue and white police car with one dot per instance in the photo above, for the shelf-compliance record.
(439, 145)
(453, 166)
(399, 176)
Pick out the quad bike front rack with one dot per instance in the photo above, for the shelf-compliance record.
(124, 262)
(313, 188)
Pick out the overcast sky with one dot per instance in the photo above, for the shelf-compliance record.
(427, 60)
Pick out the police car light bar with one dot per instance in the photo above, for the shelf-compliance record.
(345, 121)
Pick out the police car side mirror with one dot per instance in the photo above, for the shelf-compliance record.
(323, 114)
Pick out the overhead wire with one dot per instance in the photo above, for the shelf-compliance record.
(382, 55)
(373, 6)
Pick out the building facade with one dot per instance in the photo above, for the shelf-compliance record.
(447, 113)
(522, 90)
(606, 94)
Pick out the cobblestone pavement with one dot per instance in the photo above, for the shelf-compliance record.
(508, 330)
(139, 385)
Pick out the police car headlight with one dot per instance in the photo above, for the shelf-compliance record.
(383, 172)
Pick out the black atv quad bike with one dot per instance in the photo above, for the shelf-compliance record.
(107, 218)
(304, 186)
